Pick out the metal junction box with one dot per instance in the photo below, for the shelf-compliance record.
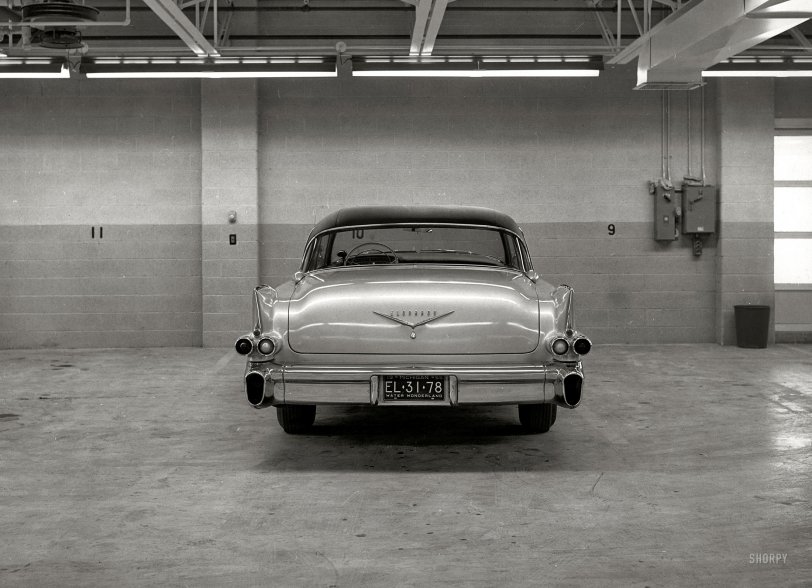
(698, 209)
(665, 214)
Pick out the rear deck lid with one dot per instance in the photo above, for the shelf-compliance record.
(414, 309)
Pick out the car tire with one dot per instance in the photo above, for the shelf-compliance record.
(296, 418)
(537, 418)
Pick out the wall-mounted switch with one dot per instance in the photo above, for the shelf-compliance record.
(699, 203)
(665, 214)
(232, 239)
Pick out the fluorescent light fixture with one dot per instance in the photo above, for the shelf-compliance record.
(761, 67)
(489, 67)
(469, 73)
(24, 69)
(159, 68)
(756, 73)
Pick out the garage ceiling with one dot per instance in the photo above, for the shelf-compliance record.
(661, 34)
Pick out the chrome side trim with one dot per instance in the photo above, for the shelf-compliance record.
(356, 373)
(562, 296)
(531, 392)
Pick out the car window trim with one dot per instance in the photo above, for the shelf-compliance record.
(310, 247)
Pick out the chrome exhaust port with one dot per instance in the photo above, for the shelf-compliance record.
(568, 391)
(255, 390)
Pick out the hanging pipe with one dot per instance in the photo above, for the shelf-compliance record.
(662, 135)
(702, 134)
(688, 132)
(668, 134)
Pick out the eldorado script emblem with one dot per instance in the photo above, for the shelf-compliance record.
(411, 325)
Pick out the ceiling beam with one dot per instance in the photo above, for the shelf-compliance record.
(802, 39)
(698, 36)
(173, 16)
(606, 32)
(433, 27)
(779, 8)
(422, 8)
(428, 17)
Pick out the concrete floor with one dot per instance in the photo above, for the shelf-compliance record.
(685, 465)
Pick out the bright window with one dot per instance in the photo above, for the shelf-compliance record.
(793, 261)
(793, 209)
(793, 229)
(793, 158)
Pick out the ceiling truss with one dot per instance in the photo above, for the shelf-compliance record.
(700, 34)
(172, 15)
(669, 38)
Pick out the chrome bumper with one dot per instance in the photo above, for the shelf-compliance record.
(466, 385)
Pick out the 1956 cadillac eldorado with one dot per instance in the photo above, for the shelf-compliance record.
(414, 306)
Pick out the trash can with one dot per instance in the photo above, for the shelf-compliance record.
(752, 325)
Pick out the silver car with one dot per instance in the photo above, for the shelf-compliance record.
(414, 306)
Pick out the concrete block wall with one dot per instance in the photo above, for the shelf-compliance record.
(567, 158)
(229, 187)
(793, 98)
(160, 164)
(99, 214)
(744, 270)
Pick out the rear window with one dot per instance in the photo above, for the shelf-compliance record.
(414, 244)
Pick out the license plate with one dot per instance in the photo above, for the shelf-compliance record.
(421, 388)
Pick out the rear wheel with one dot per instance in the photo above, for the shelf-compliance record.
(296, 418)
(537, 418)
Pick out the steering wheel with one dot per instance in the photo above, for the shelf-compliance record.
(375, 249)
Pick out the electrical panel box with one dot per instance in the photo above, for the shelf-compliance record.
(698, 209)
(665, 213)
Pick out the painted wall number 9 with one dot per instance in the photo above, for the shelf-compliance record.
(611, 228)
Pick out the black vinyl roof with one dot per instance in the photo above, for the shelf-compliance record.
(375, 215)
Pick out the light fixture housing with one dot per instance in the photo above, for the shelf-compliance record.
(142, 68)
(478, 67)
(761, 67)
(33, 69)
